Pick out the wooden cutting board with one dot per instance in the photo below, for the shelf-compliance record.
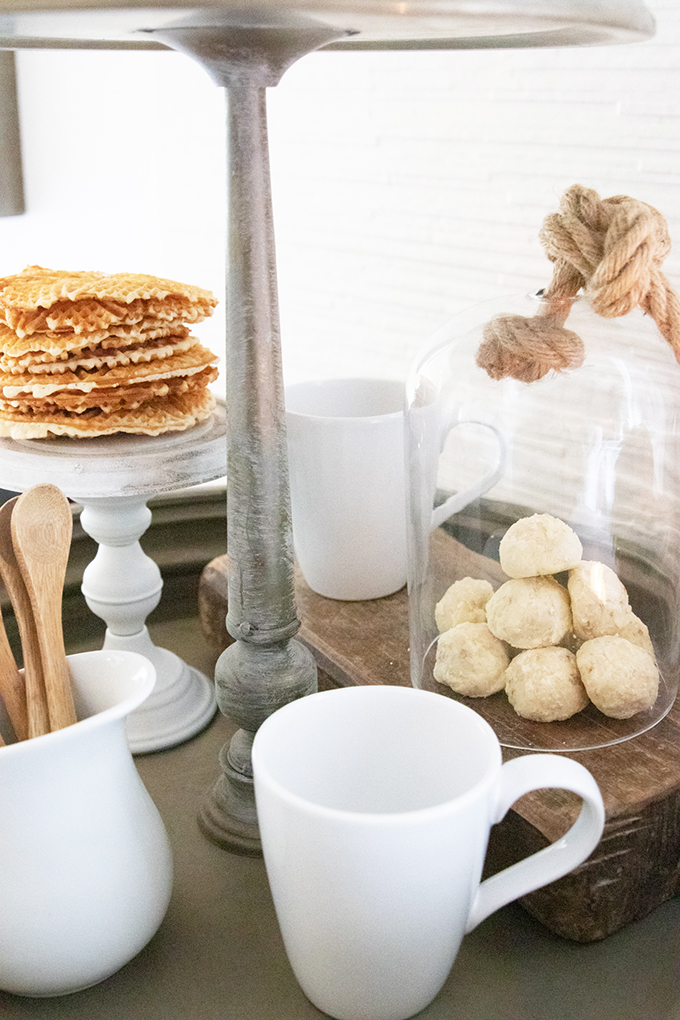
(637, 863)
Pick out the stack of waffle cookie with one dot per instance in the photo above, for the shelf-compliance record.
(89, 354)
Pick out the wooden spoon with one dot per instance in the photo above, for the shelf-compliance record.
(41, 525)
(12, 687)
(36, 702)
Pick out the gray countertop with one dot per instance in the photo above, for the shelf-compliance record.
(218, 954)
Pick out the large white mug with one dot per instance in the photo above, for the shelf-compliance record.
(347, 485)
(85, 862)
(374, 806)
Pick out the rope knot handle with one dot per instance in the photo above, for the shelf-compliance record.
(612, 250)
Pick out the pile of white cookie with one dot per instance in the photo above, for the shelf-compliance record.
(552, 649)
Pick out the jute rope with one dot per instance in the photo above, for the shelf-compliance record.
(610, 249)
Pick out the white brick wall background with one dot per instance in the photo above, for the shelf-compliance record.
(406, 185)
(414, 184)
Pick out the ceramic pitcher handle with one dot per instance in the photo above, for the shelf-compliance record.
(520, 776)
(454, 504)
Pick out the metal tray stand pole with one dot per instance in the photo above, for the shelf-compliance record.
(265, 667)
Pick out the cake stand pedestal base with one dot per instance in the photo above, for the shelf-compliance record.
(112, 478)
(181, 705)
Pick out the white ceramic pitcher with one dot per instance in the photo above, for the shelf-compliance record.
(85, 863)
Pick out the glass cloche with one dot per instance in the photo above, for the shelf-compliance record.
(556, 501)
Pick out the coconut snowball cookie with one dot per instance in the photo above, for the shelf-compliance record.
(599, 602)
(620, 678)
(464, 602)
(638, 634)
(544, 684)
(539, 545)
(530, 612)
(471, 661)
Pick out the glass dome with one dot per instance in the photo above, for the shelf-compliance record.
(593, 450)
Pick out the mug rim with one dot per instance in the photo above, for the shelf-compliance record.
(120, 710)
(413, 816)
(339, 381)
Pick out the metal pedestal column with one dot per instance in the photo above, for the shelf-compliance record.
(265, 667)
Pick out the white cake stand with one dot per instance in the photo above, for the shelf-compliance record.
(112, 478)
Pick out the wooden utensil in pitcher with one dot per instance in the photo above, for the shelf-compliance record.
(12, 687)
(38, 720)
(41, 525)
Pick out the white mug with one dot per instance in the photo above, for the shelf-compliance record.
(374, 806)
(347, 485)
(85, 862)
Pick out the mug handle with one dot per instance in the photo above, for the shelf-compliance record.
(520, 776)
(460, 500)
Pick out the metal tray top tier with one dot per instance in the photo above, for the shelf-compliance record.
(366, 24)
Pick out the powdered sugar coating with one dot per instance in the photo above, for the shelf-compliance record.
(530, 612)
(471, 661)
(599, 601)
(544, 684)
(464, 602)
(539, 545)
(621, 679)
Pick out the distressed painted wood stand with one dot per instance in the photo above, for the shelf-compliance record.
(246, 46)
(112, 478)
(637, 863)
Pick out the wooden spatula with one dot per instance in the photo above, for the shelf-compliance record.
(41, 525)
(36, 702)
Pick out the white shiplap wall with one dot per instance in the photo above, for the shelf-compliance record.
(406, 185)
(412, 185)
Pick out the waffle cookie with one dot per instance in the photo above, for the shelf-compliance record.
(40, 299)
(96, 357)
(54, 346)
(163, 414)
(88, 354)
